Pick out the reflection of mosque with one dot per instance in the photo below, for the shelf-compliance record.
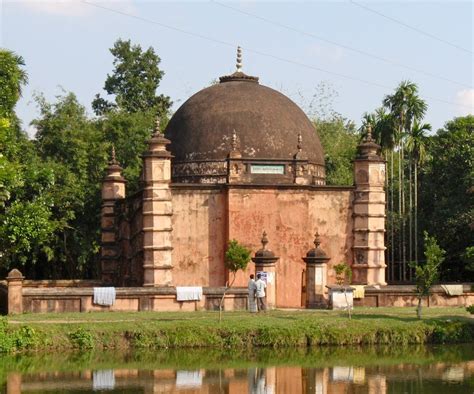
(255, 380)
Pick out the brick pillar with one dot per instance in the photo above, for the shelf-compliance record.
(157, 212)
(113, 189)
(15, 291)
(235, 166)
(316, 276)
(265, 261)
(369, 215)
(301, 173)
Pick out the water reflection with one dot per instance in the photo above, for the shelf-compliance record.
(451, 370)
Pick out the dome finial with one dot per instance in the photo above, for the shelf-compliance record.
(234, 140)
(239, 59)
(113, 159)
(317, 240)
(264, 240)
(368, 137)
(157, 130)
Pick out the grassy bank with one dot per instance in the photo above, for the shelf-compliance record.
(277, 329)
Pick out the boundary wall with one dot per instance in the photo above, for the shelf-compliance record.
(24, 296)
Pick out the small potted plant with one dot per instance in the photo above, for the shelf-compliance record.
(341, 296)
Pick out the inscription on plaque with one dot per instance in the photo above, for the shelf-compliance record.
(267, 169)
(318, 276)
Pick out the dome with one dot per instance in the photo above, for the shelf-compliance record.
(264, 124)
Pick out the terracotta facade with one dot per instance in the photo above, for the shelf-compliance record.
(213, 179)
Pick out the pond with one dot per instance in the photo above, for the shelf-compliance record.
(377, 370)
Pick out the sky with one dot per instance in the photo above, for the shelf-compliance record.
(358, 50)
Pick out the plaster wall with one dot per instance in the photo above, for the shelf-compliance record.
(291, 217)
(199, 236)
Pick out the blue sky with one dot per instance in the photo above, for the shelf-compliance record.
(65, 44)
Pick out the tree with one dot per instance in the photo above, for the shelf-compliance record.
(12, 78)
(237, 258)
(78, 153)
(405, 107)
(134, 81)
(339, 139)
(128, 121)
(12, 140)
(447, 196)
(426, 274)
(129, 133)
(468, 258)
(26, 225)
(417, 148)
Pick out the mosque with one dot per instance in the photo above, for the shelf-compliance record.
(239, 160)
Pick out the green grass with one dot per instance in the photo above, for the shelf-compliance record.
(239, 330)
(407, 314)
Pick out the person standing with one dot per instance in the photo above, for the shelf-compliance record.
(260, 293)
(252, 288)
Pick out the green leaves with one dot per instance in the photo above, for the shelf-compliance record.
(447, 195)
(12, 77)
(426, 274)
(237, 256)
(134, 81)
(339, 139)
(343, 274)
(27, 227)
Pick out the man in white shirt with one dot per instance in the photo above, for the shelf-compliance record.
(260, 293)
(252, 289)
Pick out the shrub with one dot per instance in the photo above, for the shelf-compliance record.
(470, 309)
(81, 339)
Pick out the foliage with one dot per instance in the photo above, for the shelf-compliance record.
(12, 77)
(397, 127)
(276, 329)
(337, 134)
(20, 339)
(447, 196)
(27, 222)
(133, 82)
(426, 274)
(50, 187)
(75, 153)
(129, 133)
(470, 309)
(405, 107)
(468, 258)
(343, 274)
(237, 256)
(82, 338)
(129, 121)
(339, 139)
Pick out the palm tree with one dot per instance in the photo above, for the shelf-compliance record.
(382, 125)
(404, 107)
(12, 78)
(417, 147)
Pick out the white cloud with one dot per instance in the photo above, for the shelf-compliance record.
(465, 98)
(326, 52)
(76, 7)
